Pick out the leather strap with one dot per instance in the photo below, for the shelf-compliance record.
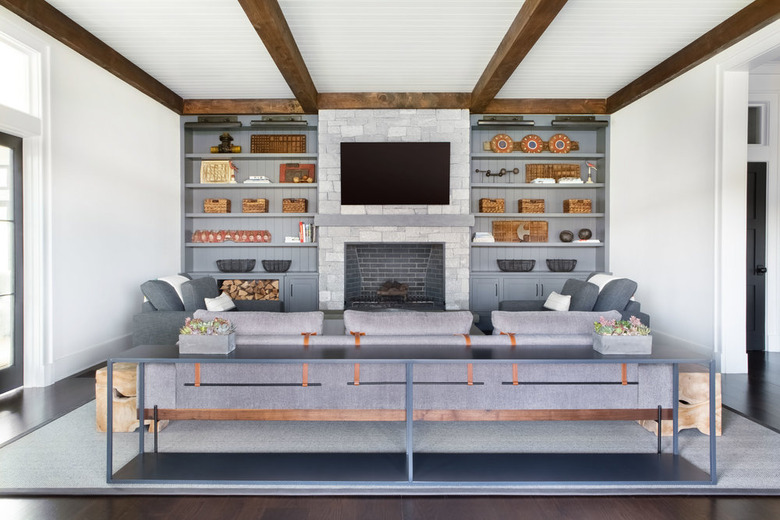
(467, 338)
(197, 374)
(511, 337)
(357, 337)
(357, 374)
(624, 374)
(305, 375)
(470, 374)
(514, 373)
(306, 336)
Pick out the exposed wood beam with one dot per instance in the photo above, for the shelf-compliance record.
(380, 100)
(744, 23)
(241, 106)
(268, 20)
(529, 24)
(547, 106)
(48, 19)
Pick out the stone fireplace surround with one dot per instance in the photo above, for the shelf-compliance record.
(338, 225)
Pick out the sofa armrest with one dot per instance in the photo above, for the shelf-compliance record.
(158, 327)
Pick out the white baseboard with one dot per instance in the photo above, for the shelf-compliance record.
(75, 363)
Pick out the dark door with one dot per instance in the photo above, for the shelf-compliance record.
(11, 369)
(756, 255)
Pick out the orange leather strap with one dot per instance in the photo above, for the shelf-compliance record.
(306, 336)
(197, 374)
(624, 374)
(357, 374)
(514, 373)
(467, 338)
(305, 376)
(511, 337)
(469, 374)
(357, 337)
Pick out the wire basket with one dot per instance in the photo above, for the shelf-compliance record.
(236, 265)
(560, 265)
(516, 266)
(276, 266)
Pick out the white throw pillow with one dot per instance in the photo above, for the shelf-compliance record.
(600, 280)
(558, 302)
(223, 302)
(175, 281)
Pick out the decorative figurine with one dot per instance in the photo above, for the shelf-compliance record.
(591, 169)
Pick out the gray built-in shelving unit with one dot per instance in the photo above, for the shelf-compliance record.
(489, 285)
(298, 285)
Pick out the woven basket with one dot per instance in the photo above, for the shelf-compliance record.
(254, 205)
(530, 206)
(516, 266)
(216, 206)
(506, 230)
(276, 266)
(577, 206)
(491, 205)
(236, 265)
(282, 143)
(294, 205)
(551, 171)
(560, 265)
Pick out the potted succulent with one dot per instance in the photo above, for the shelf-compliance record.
(622, 336)
(207, 337)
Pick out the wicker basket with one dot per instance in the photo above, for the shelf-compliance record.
(254, 205)
(530, 206)
(516, 266)
(506, 230)
(577, 206)
(236, 265)
(491, 206)
(276, 266)
(280, 143)
(551, 171)
(560, 265)
(294, 205)
(216, 206)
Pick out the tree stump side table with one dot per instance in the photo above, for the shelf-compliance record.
(125, 392)
(693, 406)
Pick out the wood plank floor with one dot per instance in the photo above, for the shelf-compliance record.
(757, 394)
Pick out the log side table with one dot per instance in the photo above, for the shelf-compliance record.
(125, 410)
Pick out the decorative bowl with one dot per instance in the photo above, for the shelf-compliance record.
(236, 265)
(566, 236)
(516, 265)
(276, 266)
(561, 265)
(585, 234)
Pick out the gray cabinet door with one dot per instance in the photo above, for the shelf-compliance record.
(484, 294)
(301, 294)
(521, 289)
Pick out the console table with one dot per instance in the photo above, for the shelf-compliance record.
(413, 469)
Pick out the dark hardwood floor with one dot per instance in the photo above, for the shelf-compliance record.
(756, 396)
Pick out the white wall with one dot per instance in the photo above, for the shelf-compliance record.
(113, 180)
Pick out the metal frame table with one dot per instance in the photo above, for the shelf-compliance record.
(447, 470)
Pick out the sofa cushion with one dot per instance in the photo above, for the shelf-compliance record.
(615, 295)
(194, 292)
(558, 302)
(548, 323)
(223, 302)
(162, 295)
(583, 294)
(266, 323)
(408, 323)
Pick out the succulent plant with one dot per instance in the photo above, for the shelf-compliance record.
(215, 327)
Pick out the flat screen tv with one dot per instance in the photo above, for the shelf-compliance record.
(395, 173)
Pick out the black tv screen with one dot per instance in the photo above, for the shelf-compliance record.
(395, 173)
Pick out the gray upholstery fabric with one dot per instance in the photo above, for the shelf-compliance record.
(521, 305)
(559, 323)
(615, 295)
(197, 290)
(269, 323)
(158, 327)
(162, 295)
(583, 294)
(408, 322)
(259, 305)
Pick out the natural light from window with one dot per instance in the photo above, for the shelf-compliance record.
(15, 86)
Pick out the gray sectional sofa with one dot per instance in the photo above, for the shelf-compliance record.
(442, 387)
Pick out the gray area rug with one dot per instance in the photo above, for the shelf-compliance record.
(68, 456)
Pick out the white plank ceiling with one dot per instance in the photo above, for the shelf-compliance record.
(208, 48)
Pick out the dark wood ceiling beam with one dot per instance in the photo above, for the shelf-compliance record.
(268, 20)
(53, 22)
(390, 100)
(742, 24)
(547, 106)
(529, 24)
(241, 106)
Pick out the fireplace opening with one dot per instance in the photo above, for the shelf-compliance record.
(380, 276)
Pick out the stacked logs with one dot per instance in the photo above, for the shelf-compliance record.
(251, 289)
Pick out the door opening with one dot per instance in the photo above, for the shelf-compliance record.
(756, 258)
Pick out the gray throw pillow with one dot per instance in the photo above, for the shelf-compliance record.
(162, 295)
(197, 290)
(583, 294)
(615, 295)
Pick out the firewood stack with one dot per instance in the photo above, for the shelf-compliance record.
(251, 289)
(393, 288)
